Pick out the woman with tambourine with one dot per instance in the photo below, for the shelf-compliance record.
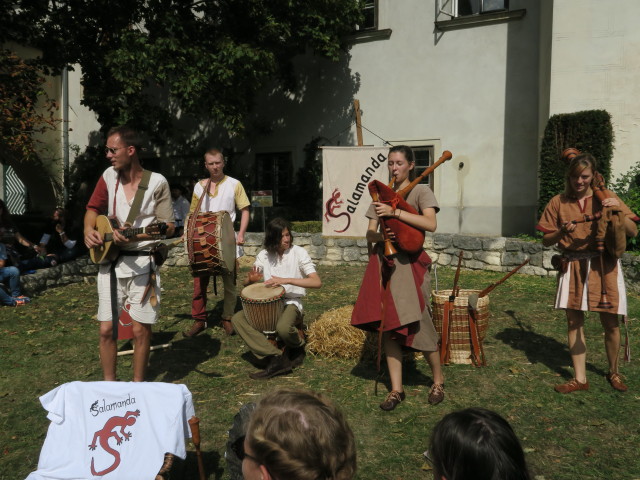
(571, 221)
(394, 295)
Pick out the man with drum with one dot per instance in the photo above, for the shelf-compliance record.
(280, 264)
(225, 194)
(131, 279)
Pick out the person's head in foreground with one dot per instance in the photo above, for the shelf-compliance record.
(477, 444)
(298, 435)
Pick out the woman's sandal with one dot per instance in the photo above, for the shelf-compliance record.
(392, 400)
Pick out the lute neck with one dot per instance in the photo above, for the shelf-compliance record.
(128, 233)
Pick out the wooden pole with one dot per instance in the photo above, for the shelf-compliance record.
(356, 106)
(151, 348)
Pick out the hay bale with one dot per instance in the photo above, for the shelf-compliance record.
(332, 335)
(246, 261)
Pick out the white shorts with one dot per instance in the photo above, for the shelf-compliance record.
(130, 290)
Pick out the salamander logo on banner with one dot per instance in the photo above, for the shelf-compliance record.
(346, 173)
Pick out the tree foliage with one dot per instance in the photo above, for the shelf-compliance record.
(149, 63)
(627, 187)
(25, 108)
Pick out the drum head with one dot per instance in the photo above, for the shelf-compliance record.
(228, 242)
(259, 291)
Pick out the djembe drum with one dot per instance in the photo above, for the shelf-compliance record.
(262, 306)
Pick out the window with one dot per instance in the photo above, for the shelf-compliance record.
(463, 8)
(369, 30)
(370, 12)
(274, 171)
(424, 159)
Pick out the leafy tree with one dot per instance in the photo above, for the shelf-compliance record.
(25, 108)
(150, 63)
(627, 187)
(26, 112)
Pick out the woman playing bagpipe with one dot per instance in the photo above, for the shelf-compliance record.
(394, 295)
(573, 221)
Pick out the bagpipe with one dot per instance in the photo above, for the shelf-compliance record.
(407, 238)
(611, 233)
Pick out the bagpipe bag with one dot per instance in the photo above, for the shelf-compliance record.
(408, 238)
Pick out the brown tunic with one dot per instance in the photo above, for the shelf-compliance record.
(580, 287)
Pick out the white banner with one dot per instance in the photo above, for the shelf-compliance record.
(346, 173)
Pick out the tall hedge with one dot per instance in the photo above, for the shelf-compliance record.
(588, 131)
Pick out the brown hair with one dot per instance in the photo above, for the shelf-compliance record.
(128, 135)
(303, 436)
(577, 165)
(273, 234)
(408, 155)
(214, 152)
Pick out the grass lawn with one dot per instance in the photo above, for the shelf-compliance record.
(585, 435)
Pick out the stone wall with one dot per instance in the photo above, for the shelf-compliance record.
(498, 254)
(79, 270)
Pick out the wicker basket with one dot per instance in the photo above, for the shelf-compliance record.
(459, 335)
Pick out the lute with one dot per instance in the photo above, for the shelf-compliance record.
(108, 251)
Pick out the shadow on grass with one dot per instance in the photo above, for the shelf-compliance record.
(411, 374)
(540, 348)
(214, 316)
(175, 363)
(254, 361)
(188, 469)
(179, 316)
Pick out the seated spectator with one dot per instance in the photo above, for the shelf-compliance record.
(296, 435)
(12, 238)
(57, 244)
(10, 277)
(180, 208)
(478, 444)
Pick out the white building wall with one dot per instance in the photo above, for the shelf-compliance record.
(596, 65)
(473, 91)
(83, 123)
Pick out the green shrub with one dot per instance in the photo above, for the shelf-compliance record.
(627, 187)
(311, 226)
(588, 131)
(536, 237)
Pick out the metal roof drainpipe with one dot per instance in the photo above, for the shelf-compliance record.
(65, 134)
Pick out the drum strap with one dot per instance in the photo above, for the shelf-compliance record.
(215, 285)
(191, 226)
(196, 211)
